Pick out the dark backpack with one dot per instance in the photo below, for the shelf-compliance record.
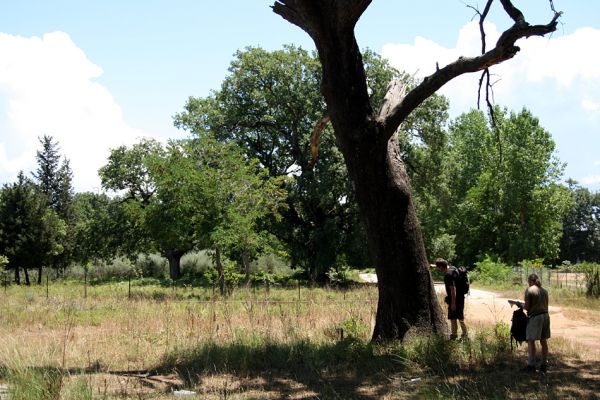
(518, 327)
(462, 281)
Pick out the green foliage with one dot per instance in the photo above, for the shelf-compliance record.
(489, 271)
(355, 328)
(507, 199)
(192, 194)
(269, 105)
(31, 233)
(231, 275)
(3, 261)
(340, 275)
(196, 263)
(271, 263)
(443, 246)
(581, 226)
(53, 177)
(592, 279)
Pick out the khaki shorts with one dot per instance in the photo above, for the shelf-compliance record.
(538, 327)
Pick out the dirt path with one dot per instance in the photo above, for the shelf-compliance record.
(575, 325)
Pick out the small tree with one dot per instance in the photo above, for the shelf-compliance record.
(30, 233)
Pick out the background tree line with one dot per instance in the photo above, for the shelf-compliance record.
(254, 178)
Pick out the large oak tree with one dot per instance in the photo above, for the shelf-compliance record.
(366, 137)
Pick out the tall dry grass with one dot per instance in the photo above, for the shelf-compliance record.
(275, 343)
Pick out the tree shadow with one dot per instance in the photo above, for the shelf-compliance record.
(566, 378)
(352, 369)
(348, 369)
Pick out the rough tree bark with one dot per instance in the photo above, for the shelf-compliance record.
(366, 138)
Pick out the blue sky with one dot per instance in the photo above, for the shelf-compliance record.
(100, 73)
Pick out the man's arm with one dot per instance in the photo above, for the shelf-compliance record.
(527, 302)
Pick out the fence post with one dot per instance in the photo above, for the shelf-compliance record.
(47, 285)
(129, 286)
(85, 283)
(5, 283)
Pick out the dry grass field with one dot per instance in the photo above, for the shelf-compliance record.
(282, 343)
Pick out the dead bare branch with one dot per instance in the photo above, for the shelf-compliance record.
(505, 49)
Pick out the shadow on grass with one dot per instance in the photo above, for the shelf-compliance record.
(352, 369)
(420, 368)
(300, 370)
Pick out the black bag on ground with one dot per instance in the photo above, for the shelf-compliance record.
(518, 327)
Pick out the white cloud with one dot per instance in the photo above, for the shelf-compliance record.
(556, 77)
(563, 61)
(591, 180)
(597, 163)
(47, 87)
(590, 105)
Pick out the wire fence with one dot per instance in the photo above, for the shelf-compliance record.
(260, 292)
(255, 292)
(553, 278)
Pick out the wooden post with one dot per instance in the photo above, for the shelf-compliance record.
(85, 283)
(47, 285)
(129, 286)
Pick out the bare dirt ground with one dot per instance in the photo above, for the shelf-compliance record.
(578, 326)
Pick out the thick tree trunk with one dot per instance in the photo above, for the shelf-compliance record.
(407, 297)
(174, 258)
(27, 281)
(17, 275)
(39, 277)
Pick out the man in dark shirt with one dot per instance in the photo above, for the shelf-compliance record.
(454, 299)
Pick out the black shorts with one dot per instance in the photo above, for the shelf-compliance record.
(459, 313)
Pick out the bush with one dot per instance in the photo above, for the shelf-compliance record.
(272, 264)
(489, 271)
(196, 263)
(151, 266)
(592, 279)
(120, 268)
(340, 276)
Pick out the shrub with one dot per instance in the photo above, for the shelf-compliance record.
(151, 266)
(489, 271)
(354, 327)
(340, 275)
(271, 263)
(592, 279)
(196, 263)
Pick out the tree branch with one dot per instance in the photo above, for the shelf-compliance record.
(505, 49)
(314, 140)
(313, 16)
